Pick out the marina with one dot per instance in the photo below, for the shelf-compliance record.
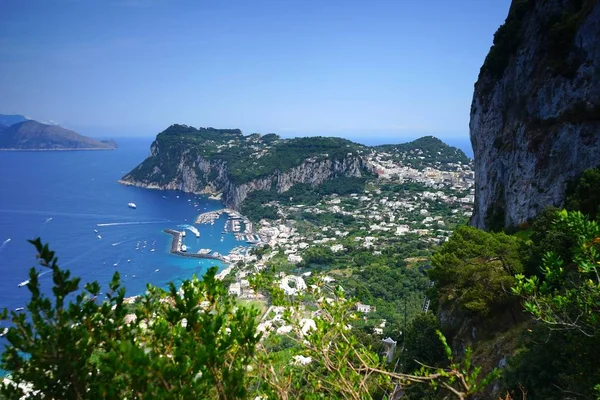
(234, 224)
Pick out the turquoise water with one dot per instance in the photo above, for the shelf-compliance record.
(64, 196)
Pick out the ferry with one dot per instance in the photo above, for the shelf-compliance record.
(131, 205)
(23, 283)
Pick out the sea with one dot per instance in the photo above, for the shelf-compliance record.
(72, 200)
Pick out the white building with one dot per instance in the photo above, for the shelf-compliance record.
(294, 259)
(235, 289)
(364, 308)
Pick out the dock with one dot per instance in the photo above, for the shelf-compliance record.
(176, 246)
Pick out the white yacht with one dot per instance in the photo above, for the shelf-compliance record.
(131, 205)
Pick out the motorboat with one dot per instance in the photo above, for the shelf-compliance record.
(183, 248)
(131, 205)
(23, 283)
(19, 308)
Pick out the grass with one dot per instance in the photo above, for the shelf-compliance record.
(258, 305)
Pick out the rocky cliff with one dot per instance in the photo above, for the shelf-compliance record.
(535, 115)
(234, 166)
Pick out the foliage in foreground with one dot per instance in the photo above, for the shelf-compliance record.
(194, 343)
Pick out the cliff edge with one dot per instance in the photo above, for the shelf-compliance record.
(535, 115)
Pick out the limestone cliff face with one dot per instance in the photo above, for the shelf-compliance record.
(535, 115)
(311, 172)
(195, 174)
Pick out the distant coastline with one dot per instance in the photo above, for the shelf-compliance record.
(66, 149)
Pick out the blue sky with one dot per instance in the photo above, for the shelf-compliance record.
(350, 68)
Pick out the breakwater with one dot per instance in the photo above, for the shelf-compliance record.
(176, 248)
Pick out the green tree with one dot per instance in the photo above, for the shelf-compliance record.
(421, 343)
(187, 343)
(585, 195)
(568, 294)
(559, 357)
(546, 236)
(475, 269)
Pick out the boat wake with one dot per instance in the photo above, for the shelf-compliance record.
(7, 241)
(130, 223)
(190, 228)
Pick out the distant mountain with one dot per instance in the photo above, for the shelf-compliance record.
(33, 135)
(8, 120)
(425, 151)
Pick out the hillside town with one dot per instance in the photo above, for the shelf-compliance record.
(401, 205)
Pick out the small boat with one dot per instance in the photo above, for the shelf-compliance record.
(23, 283)
(19, 308)
(115, 264)
(156, 270)
(197, 234)
(151, 249)
(131, 205)
(4, 332)
(128, 261)
(183, 233)
(95, 230)
(99, 237)
(183, 248)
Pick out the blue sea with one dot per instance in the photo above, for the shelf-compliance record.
(63, 197)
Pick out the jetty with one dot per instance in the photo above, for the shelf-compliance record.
(176, 248)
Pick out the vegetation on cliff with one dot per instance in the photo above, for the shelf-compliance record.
(245, 157)
(551, 268)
